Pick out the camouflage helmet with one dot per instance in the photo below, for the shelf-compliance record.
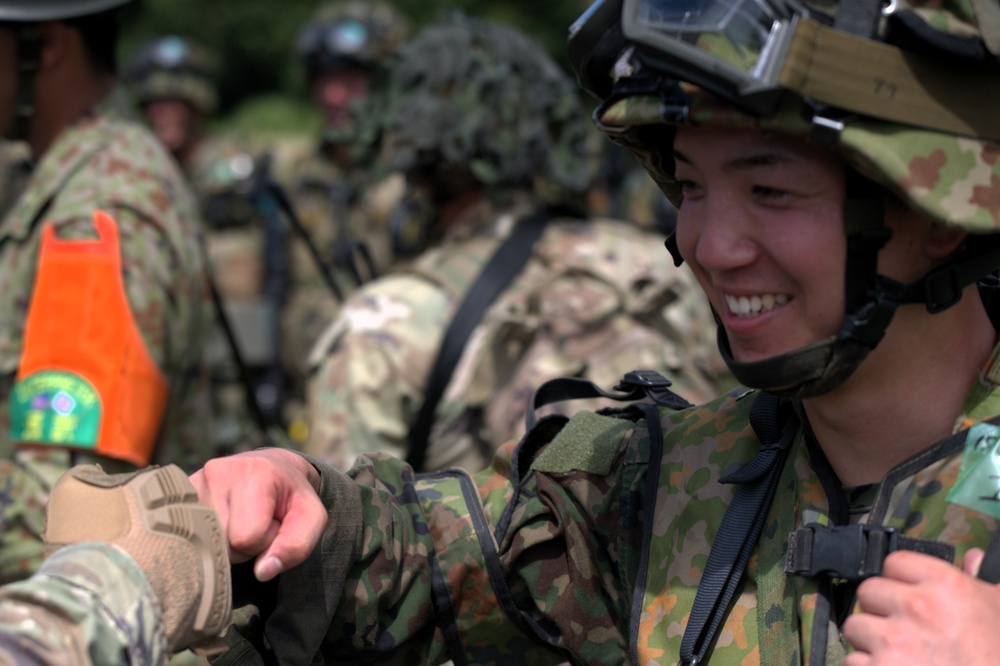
(481, 96)
(53, 10)
(355, 33)
(898, 94)
(173, 67)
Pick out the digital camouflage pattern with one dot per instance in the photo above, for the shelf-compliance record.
(88, 604)
(545, 548)
(106, 160)
(15, 169)
(596, 299)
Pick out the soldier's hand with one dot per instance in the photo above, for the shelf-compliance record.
(923, 610)
(269, 507)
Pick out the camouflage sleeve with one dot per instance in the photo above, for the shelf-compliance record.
(446, 564)
(369, 383)
(166, 290)
(165, 293)
(88, 604)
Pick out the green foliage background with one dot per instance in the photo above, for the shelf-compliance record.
(261, 83)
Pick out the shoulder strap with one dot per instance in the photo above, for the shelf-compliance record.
(505, 263)
(637, 384)
(775, 425)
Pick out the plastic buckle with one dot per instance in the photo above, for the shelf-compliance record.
(851, 552)
(643, 379)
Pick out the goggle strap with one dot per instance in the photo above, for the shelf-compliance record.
(874, 79)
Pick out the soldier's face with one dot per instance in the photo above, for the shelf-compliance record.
(8, 79)
(173, 121)
(762, 227)
(335, 91)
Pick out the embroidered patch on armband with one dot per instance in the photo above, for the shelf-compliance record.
(978, 483)
(588, 443)
(55, 408)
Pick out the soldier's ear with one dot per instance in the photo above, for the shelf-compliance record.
(58, 40)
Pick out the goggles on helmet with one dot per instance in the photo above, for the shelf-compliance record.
(751, 52)
(344, 37)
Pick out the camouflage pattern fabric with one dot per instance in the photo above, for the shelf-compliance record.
(15, 169)
(598, 298)
(539, 559)
(88, 604)
(106, 160)
(336, 206)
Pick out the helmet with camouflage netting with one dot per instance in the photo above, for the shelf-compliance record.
(898, 91)
(173, 67)
(475, 97)
(350, 34)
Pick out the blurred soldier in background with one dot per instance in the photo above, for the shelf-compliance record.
(624, 190)
(346, 210)
(480, 118)
(172, 80)
(103, 316)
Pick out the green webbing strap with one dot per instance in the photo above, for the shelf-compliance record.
(874, 79)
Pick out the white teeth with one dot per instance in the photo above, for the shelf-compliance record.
(744, 306)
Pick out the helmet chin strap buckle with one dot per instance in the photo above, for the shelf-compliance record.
(868, 323)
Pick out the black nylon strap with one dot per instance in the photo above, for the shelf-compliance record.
(989, 570)
(741, 525)
(637, 384)
(505, 263)
(852, 552)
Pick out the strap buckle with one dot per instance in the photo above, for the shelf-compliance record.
(850, 552)
(642, 379)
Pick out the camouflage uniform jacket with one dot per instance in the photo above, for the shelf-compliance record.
(106, 160)
(576, 545)
(88, 604)
(596, 299)
(584, 544)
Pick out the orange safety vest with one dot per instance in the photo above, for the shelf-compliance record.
(86, 379)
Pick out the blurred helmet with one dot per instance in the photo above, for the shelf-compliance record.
(350, 34)
(899, 92)
(173, 67)
(53, 10)
(484, 98)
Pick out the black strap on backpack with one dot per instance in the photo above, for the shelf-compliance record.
(637, 384)
(775, 425)
(506, 262)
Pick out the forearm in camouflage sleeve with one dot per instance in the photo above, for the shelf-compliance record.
(88, 604)
(452, 562)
